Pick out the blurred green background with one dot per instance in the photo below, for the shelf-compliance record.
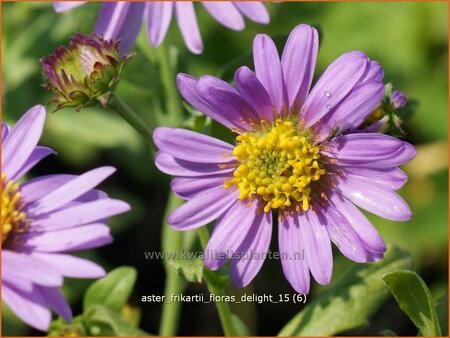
(408, 39)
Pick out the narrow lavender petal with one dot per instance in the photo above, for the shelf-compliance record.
(344, 236)
(62, 6)
(30, 307)
(187, 22)
(230, 230)
(254, 92)
(71, 266)
(71, 190)
(24, 285)
(257, 241)
(365, 230)
(226, 14)
(374, 72)
(36, 156)
(186, 86)
(191, 146)
(354, 109)
(226, 101)
(253, 10)
(317, 246)
(376, 198)
(175, 167)
(298, 62)
(72, 239)
(268, 70)
(369, 150)
(335, 83)
(159, 15)
(22, 140)
(57, 302)
(38, 187)
(295, 266)
(188, 187)
(121, 20)
(202, 209)
(31, 269)
(5, 131)
(79, 214)
(393, 178)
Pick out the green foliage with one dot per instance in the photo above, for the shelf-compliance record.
(414, 298)
(111, 291)
(351, 301)
(442, 313)
(189, 269)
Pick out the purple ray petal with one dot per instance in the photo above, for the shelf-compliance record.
(334, 84)
(317, 246)
(376, 198)
(268, 70)
(30, 307)
(71, 190)
(370, 150)
(22, 140)
(159, 14)
(79, 214)
(354, 109)
(195, 147)
(257, 241)
(295, 266)
(36, 156)
(120, 20)
(71, 266)
(57, 302)
(298, 62)
(226, 14)
(72, 239)
(5, 131)
(62, 6)
(253, 10)
(227, 101)
(254, 92)
(229, 232)
(374, 72)
(31, 269)
(365, 230)
(187, 22)
(344, 236)
(186, 86)
(202, 209)
(393, 178)
(175, 167)
(188, 187)
(24, 285)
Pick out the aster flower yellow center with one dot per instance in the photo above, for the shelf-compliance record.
(13, 217)
(277, 164)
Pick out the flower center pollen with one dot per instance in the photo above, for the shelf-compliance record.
(277, 164)
(13, 218)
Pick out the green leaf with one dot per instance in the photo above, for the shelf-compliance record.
(240, 328)
(219, 279)
(351, 301)
(442, 313)
(111, 291)
(414, 298)
(102, 321)
(189, 269)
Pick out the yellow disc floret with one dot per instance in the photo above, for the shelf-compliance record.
(277, 164)
(13, 217)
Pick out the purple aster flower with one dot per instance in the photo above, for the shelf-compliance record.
(44, 219)
(295, 153)
(123, 20)
(398, 99)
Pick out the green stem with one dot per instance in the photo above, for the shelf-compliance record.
(223, 308)
(171, 242)
(168, 78)
(116, 104)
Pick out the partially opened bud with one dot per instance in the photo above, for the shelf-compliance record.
(85, 73)
(397, 99)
